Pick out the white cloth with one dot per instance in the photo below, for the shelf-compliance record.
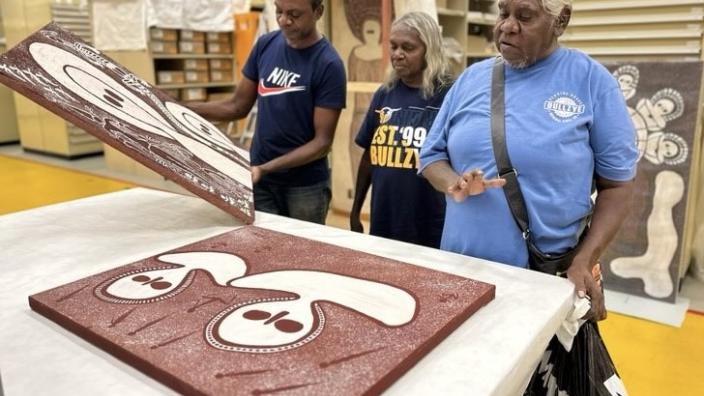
(201, 15)
(570, 326)
(269, 15)
(119, 25)
(500, 345)
(241, 6)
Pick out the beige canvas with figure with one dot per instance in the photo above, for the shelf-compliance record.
(357, 38)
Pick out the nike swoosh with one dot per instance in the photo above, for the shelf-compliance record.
(268, 91)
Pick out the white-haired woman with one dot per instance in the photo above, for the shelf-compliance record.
(566, 124)
(404, 206)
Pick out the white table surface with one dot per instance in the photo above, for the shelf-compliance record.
(492, 353)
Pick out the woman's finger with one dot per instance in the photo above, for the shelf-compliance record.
(494, 183)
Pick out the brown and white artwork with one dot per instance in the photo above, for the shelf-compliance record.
(357, 39)
(663, 101)
(238, 313)
(364, 63)
(80, 84)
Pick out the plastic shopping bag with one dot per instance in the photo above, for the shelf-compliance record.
(585, 370)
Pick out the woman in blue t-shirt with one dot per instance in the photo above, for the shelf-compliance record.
(404, 206)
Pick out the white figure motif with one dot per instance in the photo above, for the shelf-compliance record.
(653, 266)
(277, 325)
(664, 148)
(93, 85)
(159, 283)
(627, 77)
(265, 325)
(650, 116)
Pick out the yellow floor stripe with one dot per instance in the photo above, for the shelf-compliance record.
(652, 359)
(655, 359)
(27, 185)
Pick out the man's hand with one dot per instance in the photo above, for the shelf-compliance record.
(587, 283)
(472, 183)
(256, 174)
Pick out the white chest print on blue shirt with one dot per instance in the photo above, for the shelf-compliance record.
(282, 81)
(564, 106)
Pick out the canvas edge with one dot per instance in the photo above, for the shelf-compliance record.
(112, 349)
(417, 354)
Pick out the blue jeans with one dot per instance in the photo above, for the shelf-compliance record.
(308, 203)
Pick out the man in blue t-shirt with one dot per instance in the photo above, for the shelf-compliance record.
(298, 81)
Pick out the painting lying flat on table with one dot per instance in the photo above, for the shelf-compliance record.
(663, 99)
(239, 313)
(78, 83)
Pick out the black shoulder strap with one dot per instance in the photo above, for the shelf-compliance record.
(512, 190)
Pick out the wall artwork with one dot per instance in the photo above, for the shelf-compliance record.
(663, 99)
(239, 313)
(80, 84)
(357, 39)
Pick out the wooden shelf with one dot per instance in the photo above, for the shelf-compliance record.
(362, 86)
(481, 18)
(632, 35)
(662, 50)
(192, 56)
(196, 85)
(630, 20)
(625, 4)
(449, 12)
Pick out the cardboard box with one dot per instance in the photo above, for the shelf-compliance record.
(199, 94)
(164, 47)
(223, 37)
(163, 34)
(191, 47)
(191, 35)
(220, 64)
(219, 48)
(221, 75)
(193, 76)
(169, 77)
(195, 64)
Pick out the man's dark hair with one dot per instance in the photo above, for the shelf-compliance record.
(316, 3)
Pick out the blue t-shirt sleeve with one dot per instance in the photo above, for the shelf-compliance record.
(331, 91)
(434, 147)
(370, 123)
(612, 136)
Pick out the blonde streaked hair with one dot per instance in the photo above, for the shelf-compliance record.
(436, 72)
(554, 7)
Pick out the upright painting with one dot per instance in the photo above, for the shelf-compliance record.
(357, 38)
(663, 100)
(80, 84)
